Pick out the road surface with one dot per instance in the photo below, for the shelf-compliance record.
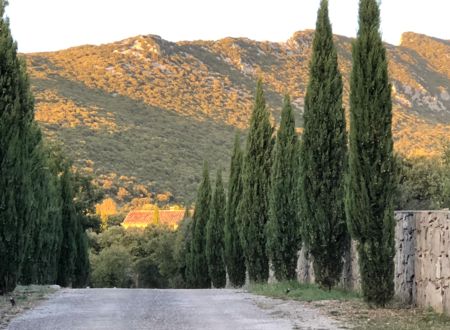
(130, 309)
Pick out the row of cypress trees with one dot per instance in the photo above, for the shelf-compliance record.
(284, 191)
(42, 239)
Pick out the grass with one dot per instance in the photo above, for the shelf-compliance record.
(349, 308)
(301, 292)
(25, 297)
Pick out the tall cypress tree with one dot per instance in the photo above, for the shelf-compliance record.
(215, 235)
(234, 255)
(81, 264)
(16, 192)
(371, 182)
(199, 266)
(254, 206)
(323, 158)
(283, 239)
(182, 245)
(38, 213)
(52, 245)
(68, 252)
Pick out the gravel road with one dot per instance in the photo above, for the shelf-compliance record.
(168, 309)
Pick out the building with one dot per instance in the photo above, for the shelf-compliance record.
(144, 218)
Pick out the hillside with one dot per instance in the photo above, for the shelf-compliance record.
(142, 114)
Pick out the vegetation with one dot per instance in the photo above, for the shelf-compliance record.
(215, 235)
(183, 243)
(112, 268)
(109, 103)
(253, 208)
(301, 291)
(36, 189)
(134, 258)
(234, 255)
(423, 184)
(371, 179)
(198, 265)
(282, 248)
(348, 307)
(323, 159)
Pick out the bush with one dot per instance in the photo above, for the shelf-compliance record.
(112, 268)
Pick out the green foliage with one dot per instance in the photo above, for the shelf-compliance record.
(254, 206)
(151, 257)
(112, 268)
(323, 158)
(199, 277)
(68, 254)
(215, 235)
(21, 206)
(183, 243)
(421, 184)
(371, 179)
(446, 180)
(234, 255)
(283, 236)
(301, 291)
(81, 265)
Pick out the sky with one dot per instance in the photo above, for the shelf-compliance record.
(48, 25)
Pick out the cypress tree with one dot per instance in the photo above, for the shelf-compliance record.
(188, 259)
(323, 158)
(215, 235)
(81, 264)
(16, 192)
(254, 206)
(50, 232)
(38, 214)
(199, 265)
(52, 246)
(182, 246)
(68, 252)
(371, 182)
(234, 255)
(283, 241)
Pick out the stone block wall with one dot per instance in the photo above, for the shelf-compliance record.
(422, 263)
(432, 263)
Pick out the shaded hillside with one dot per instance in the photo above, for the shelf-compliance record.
(143, 113)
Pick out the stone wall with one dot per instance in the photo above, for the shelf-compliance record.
(432, 263)
(422, 264)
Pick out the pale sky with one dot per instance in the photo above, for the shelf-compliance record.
(47, 25)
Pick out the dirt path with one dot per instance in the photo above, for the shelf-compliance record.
(168, 309)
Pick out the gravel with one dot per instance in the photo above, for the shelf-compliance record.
(168, 309)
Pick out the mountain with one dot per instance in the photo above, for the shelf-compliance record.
(143, 113)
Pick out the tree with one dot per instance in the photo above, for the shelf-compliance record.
(182, 245)
(215, 235)
(371, 177)
(421, 184)
(112, 268)
(199, 265)
(234, 255)
(68, 252)
(254, 206)
(17, 141)
(323, 158)
(446, 176)
(283, 239)
(81, 265)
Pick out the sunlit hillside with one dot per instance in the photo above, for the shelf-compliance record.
(143, 113)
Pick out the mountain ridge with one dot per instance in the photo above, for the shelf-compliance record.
(207, 86)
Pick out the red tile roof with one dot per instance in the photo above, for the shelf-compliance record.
(144, 218)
